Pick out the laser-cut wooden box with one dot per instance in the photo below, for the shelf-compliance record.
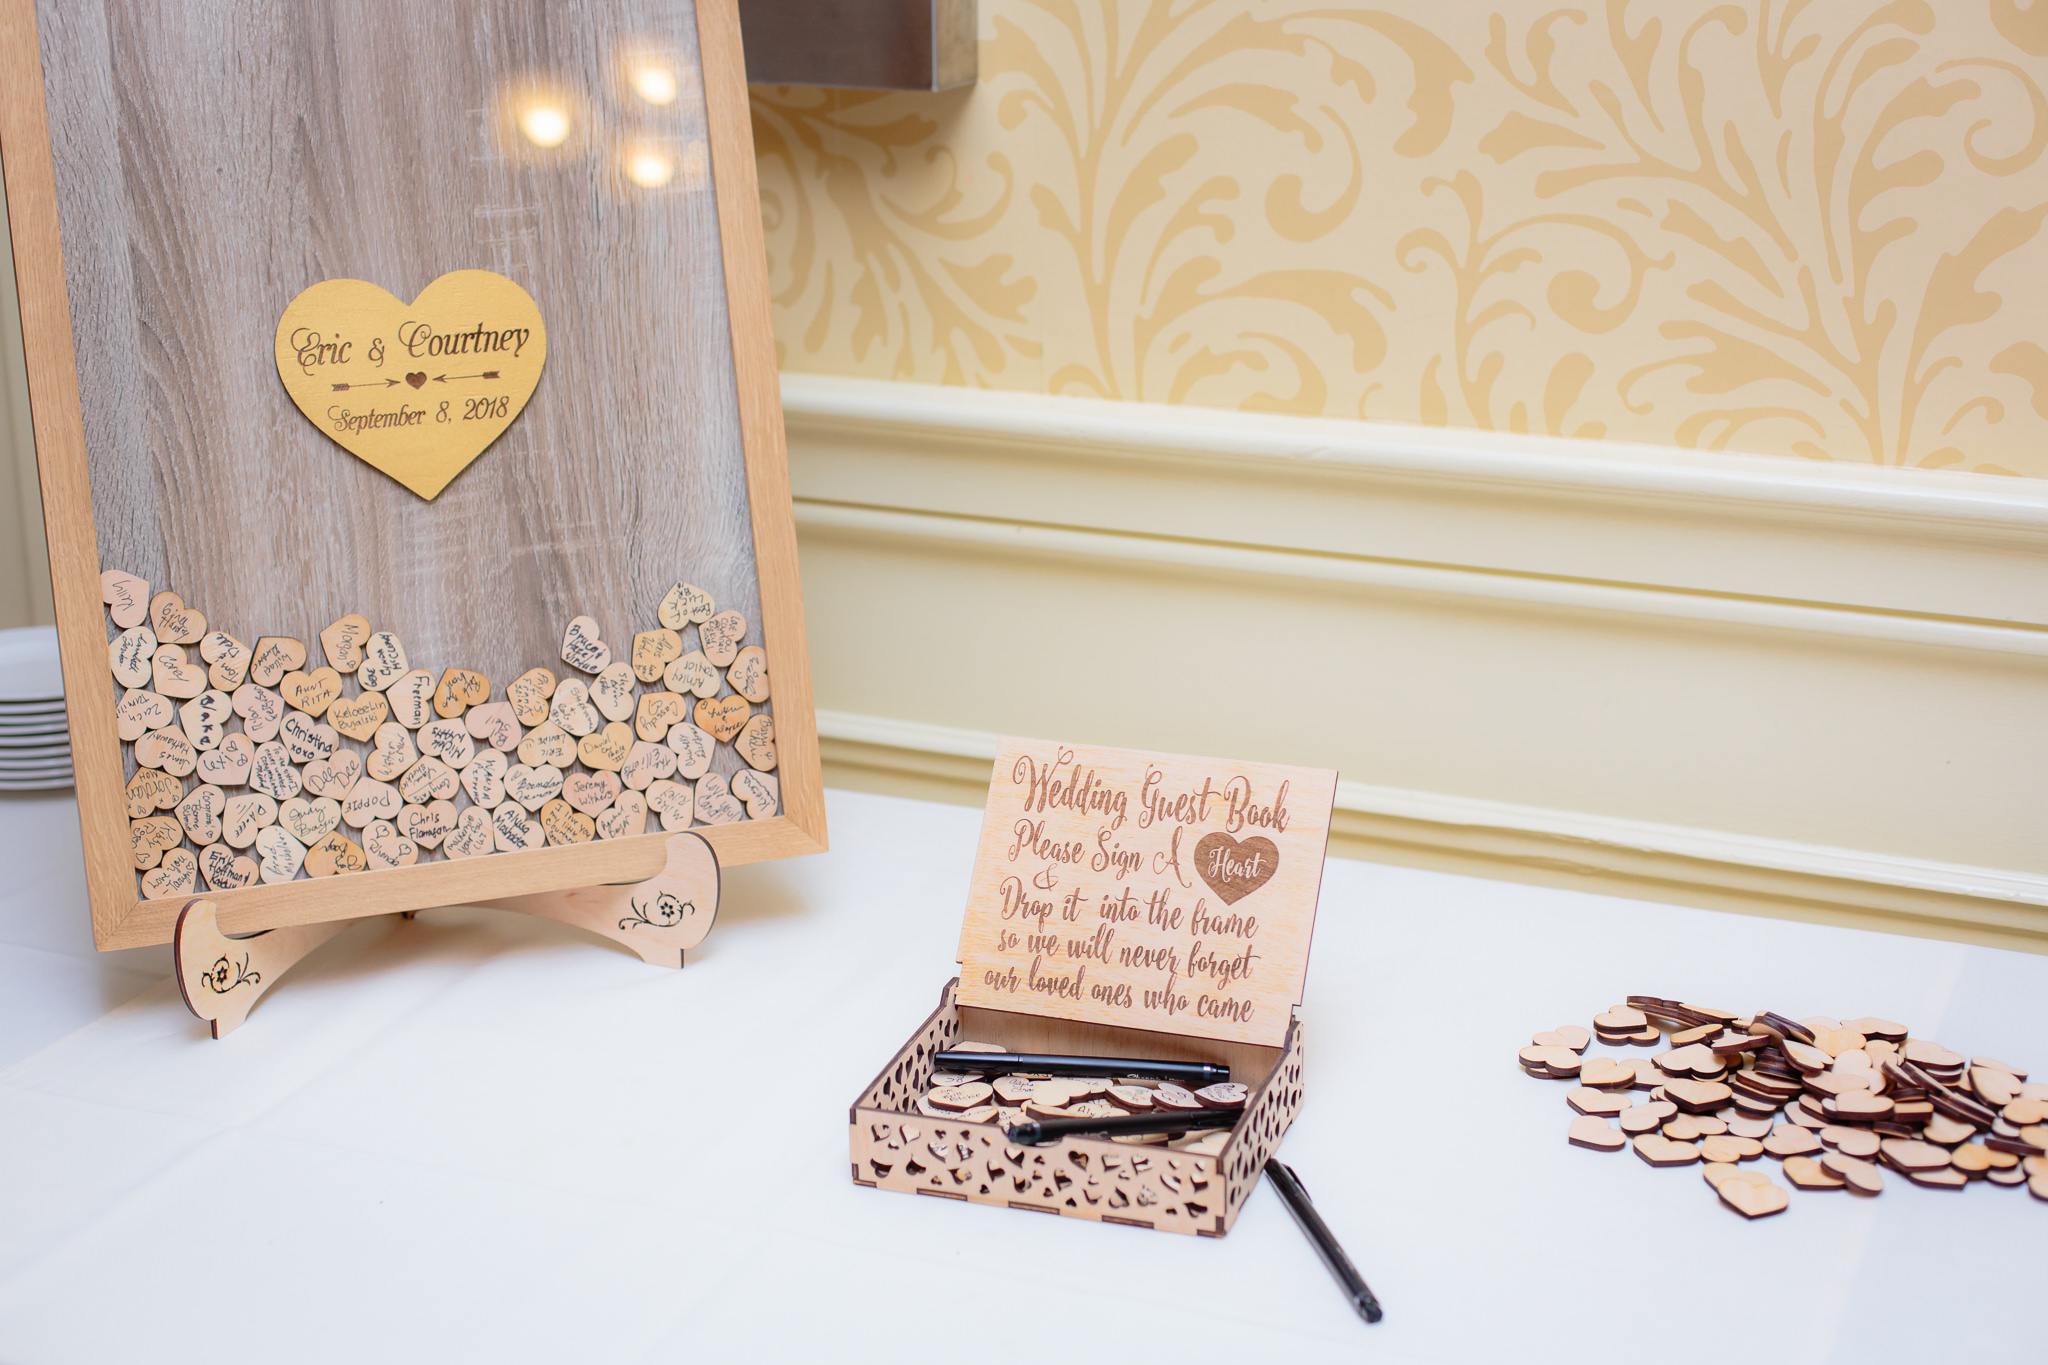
(1251, 1023)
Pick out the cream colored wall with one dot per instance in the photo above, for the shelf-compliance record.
(1798, 227)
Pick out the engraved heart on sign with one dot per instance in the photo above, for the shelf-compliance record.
(420, 389)
(1234, 870)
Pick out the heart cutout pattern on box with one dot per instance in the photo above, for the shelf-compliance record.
(1234, 869)
(468, 352)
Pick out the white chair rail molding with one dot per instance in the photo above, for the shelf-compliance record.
(1753, 683)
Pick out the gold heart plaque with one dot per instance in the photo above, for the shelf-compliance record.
(418, 389)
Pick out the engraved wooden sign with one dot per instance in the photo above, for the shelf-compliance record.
(416, 389)
(1148, 891)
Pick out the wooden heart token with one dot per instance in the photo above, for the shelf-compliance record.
(719, 638)
(131, 656)
(716, 804)
(174, 622)
(624, 818)
(222, 869)
(384, 662)
(392, 753)
(140, 711)
(370, 800)
(693, 749)
(693, 673)
(495, 723)
(337, 855)
(311, 692)
(1659, 1150)
(533, 787)
(723, 717)
(279, 856)
(612, 691)
(571, 709)
(173, 676)
(756, 743)
(306, 739)
(167, 750)
(484, 779)
(460, 689)
(276, 655)
(674, 802)
(566, 825)
(227, 660)
(515, 830)
(608, 748)
(749, 674)
(309, 820)
(427, 825)
(1807, 1174)
(581, 647)
(417, 390)
(204, 719)
(261, 710)
(246, 816)
(758, 790)
(655, 712)
(172, 877)
(127, 597)
(653, 650)
(272, 773)
(332, 776)
(529, 695)
(150, 791)
(959, 1097)
(472, 836)
(647, 763)
(342, 642)
(150, 836)
(449, 741)
(384, 847)
(1754, 1196)
(358, 717)
(411, 699)
(683, 604)
(547, 743)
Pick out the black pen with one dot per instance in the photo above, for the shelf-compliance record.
(1193, 1075)
(1289, 1187)
(1032, 1132)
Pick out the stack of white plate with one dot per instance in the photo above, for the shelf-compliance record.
(35, 747)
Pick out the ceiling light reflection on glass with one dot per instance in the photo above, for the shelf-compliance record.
(654, 83)
(650, 167)
(545, 125)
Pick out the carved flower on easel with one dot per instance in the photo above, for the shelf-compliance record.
(665, 911)
(223, 976)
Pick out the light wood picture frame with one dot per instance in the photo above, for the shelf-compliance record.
(176, 175)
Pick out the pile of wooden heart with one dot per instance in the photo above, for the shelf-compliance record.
(262, 760)
(1833, 1101)
(977, 1097)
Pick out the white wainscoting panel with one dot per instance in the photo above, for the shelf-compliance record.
(1758, 684)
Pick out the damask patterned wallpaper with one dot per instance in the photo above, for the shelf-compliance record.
(1803, 227)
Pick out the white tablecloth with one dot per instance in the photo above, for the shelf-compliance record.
(480, 1137)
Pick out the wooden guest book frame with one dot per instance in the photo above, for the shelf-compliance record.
(349, 528)
(1067, 830)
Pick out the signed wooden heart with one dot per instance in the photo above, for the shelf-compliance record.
(1232, 868)
(418, 389)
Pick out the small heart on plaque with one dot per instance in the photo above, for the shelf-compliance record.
(174, 622)
(1232, 868)
(722, 716)
(591, 792)
(479, 337)
(624, 818)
